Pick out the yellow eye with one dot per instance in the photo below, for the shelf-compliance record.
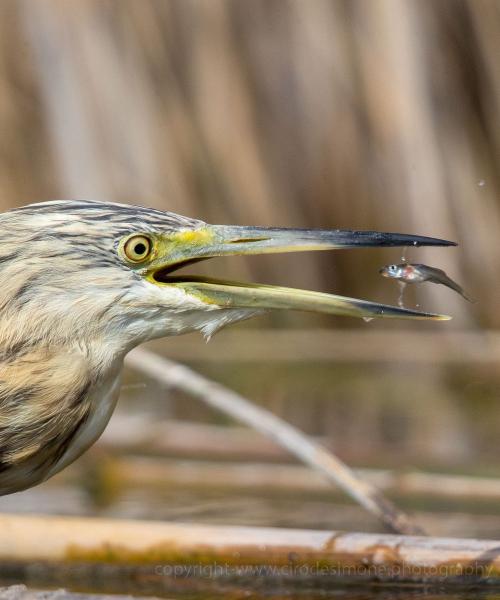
(137, 248)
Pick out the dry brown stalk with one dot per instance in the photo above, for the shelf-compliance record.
(298, 554)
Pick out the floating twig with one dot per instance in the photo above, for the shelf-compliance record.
(150, 549)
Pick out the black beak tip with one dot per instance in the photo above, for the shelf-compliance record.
(434, 242)
(378, 238)
(417, 240)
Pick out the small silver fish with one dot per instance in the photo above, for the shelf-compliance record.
(418, 273)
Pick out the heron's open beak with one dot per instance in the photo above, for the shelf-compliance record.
(189, 246)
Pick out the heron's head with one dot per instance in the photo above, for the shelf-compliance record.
(80, 270)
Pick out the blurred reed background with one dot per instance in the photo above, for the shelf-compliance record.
(311, 113)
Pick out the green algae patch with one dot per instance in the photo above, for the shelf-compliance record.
(378, 562)
(167, 554)
(118, 554)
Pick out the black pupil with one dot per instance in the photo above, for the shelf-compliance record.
(140, 248)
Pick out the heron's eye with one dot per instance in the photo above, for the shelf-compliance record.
(137, 248)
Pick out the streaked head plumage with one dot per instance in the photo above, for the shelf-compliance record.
(64, 273)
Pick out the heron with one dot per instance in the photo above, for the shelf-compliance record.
(83, 282)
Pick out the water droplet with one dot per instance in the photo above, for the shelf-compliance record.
(417, 305)
(403, 255)
(415, 243)
(481, 183)
(367, 319)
